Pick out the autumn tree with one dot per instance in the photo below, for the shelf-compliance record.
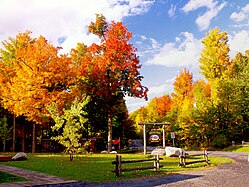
(110, 69)
(182, 103)
(183, 91)
(139, 115)
(70, 124)
(202, 94)
(33, 75)
(158, 108)
(215, 54)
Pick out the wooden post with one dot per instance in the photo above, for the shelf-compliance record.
(155, 163)
(158, 163)
(206, 157)
(120, 166)
(145, 148)
(182, 159)
(163, 136)
(116, 166)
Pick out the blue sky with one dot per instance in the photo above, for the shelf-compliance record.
(167, 33)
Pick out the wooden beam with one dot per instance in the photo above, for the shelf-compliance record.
(145, 147)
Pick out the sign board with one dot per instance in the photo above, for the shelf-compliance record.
(172, 135)
(154, 135)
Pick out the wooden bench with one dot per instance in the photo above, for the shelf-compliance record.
(183, 157)
(119, 162)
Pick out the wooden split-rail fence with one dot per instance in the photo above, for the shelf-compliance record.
(184, 156)
(119, 164)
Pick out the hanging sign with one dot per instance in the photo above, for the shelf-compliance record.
(154, 135)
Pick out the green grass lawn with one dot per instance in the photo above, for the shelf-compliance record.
(237, 148)
(98, 167)
(6, 177)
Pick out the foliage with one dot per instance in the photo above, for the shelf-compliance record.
(183, 103)
(158, 108)
(110, 69)
(209, 113)
(71, 124)
(5, 131)
(214, 56)
(34, 75)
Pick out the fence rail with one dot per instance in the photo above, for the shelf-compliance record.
(183, 157)
(119, 163)
(245, 143)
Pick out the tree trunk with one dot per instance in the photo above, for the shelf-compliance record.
(4, 146)
(33, 139)
(14, 134)
(109, 127)
(23, 138)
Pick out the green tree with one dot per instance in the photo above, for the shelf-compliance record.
(235, 92)
(5, 132)
(70, 123)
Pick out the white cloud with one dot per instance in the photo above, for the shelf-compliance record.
(242, 15)
(134, 103)
(154, 91)
(62, 18)
(183, 52)
(147, 46)
(239, 42)
(195, 4)
(171, 11)
(203, 21)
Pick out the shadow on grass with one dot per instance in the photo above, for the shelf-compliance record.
(132, 183)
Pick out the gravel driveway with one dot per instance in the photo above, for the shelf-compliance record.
(228, 175)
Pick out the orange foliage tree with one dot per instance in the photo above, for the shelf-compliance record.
(34, 75)
(182, 103)
(158, 108)
(110, 69)
(183, 89)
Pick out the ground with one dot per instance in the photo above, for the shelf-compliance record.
(232, 174)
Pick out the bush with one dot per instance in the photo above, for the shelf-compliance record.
(220, 141)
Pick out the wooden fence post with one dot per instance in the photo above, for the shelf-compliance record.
(119, 170)
(206, 157)
(158, 163)
(117, 166)
(155, 163)
(120, 166)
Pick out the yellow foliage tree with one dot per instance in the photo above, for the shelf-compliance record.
(34, 75)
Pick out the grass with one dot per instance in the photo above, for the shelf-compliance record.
(6, 177)
(237, 148)
(98, 167)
